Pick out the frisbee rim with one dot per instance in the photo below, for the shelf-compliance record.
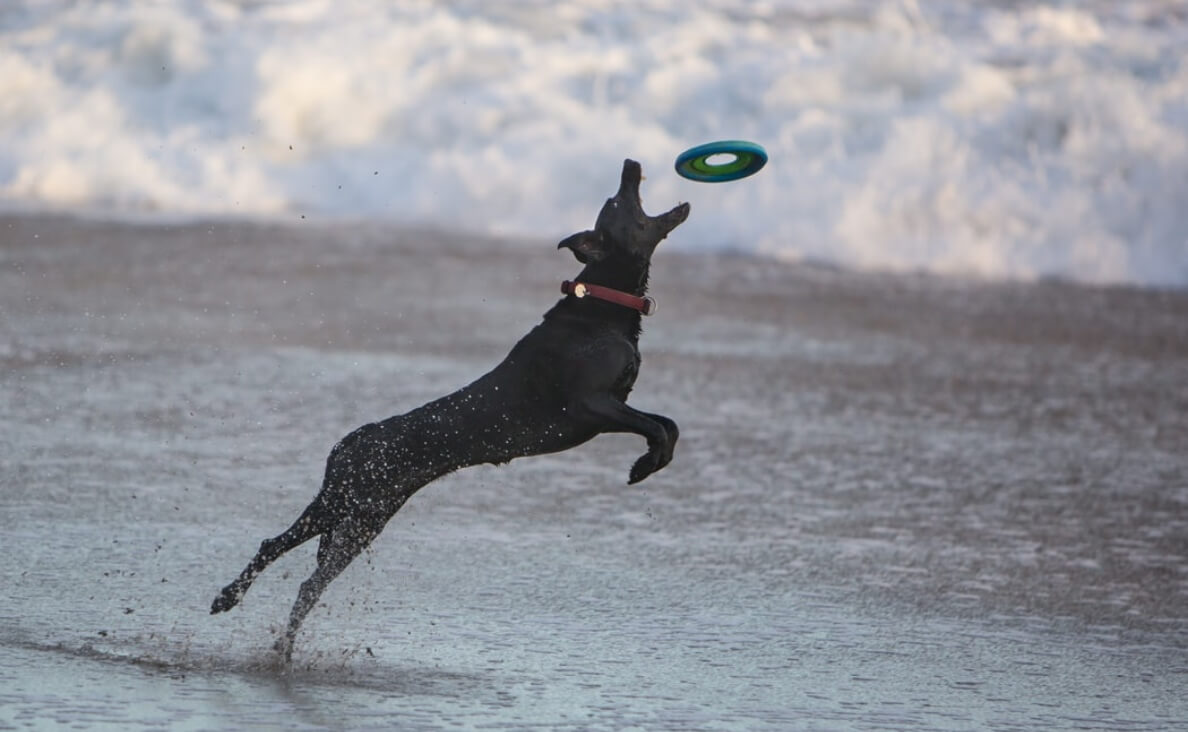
(691, 164)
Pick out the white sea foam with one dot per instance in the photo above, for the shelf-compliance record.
(1001, 139)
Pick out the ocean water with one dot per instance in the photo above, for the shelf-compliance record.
(992, 138)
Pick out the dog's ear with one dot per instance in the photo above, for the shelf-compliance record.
(587, 246)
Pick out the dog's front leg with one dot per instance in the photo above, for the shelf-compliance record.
(612, 415)
(669, 426)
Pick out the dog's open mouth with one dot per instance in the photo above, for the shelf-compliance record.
(629, 193)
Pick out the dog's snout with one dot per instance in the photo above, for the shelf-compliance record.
(632, 175)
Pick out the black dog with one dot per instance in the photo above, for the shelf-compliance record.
(562, 384)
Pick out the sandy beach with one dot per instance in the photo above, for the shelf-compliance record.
(899, 502)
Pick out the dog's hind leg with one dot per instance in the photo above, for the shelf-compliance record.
(302, 530)
(324, 546)
(338, 548)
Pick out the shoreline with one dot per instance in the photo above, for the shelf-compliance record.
(23, 216)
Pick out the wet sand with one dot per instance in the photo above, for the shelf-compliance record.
(899, 502)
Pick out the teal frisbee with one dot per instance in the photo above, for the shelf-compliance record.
(738, 159)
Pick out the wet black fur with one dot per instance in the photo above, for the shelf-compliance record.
(566, 381)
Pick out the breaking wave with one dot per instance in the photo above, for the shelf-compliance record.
(994, 139)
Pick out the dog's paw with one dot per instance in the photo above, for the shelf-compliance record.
(284, 648)
(647, 464)
(226, 600)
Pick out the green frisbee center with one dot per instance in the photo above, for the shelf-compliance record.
(721, 163)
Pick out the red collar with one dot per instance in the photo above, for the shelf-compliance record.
(645, 305)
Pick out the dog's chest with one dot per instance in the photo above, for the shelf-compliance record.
(626, 380)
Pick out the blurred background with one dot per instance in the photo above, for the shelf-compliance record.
(231, 232)
(992, 138)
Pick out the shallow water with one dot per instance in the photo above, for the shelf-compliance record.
(898, 502)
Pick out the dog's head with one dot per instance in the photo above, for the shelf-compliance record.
(622, 227)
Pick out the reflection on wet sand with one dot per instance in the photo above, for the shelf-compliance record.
(898, 502)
